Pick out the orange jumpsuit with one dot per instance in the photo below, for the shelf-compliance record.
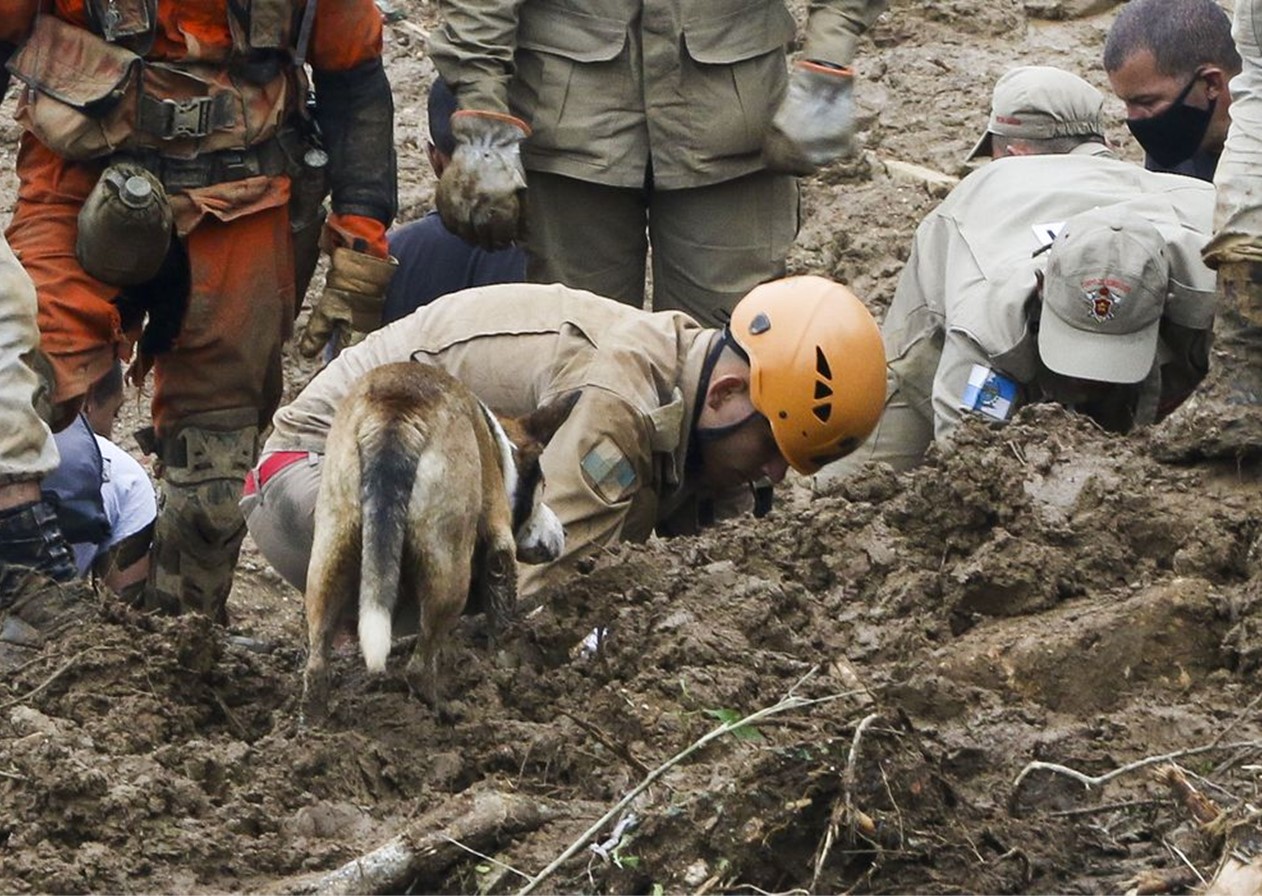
(242, 303)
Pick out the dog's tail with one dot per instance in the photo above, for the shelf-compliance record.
(387, 470)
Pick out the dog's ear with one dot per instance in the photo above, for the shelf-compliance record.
(543, 423)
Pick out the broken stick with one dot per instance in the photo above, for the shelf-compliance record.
(480, 818)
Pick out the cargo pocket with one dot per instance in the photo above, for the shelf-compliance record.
(78, 82)
(735, 66)
(565, 74)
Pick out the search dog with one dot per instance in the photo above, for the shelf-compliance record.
(425, 495)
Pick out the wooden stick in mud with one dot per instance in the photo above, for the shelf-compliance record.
(1089, 781)
(478, 818)
(843, 810)
(1198, 805)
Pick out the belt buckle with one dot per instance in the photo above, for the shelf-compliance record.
(187, 118)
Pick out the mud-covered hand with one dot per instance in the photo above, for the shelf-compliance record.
(481, 196)
(815, 122)
(351, 302)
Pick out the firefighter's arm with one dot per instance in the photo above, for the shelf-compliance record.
(16, 18)
(355, 113)
(473, 51)
(967, 383)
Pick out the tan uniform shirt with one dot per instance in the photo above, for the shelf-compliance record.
(966, 295)
(27, 451)
(610, 86)
(615, 470)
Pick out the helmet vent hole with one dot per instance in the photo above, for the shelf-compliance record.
(822, 412)
(822, 390)
(821, 364)
(760, 324)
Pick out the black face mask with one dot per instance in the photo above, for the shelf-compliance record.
(1173, 136)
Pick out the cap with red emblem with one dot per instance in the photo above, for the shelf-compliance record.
(1035, 102)
(1104, 292)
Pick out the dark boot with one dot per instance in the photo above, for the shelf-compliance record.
(31, 540)
(1223, 418)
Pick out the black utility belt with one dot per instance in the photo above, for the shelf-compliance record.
(279, 155)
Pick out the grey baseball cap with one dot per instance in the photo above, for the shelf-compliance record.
(1104, 292)
(1035, 102)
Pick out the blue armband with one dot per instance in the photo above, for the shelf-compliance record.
(990, 393)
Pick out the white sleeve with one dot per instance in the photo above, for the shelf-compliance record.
(127, 491)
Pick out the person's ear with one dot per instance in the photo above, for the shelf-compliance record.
(1215, 82)
(438, 160)
(723, 389)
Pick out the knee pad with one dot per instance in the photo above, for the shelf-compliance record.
(199, 528)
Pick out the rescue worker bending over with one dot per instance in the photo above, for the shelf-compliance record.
(103, 496)
(995, 268)
(170, 171)
(670, 413)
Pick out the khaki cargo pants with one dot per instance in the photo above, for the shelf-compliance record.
(709, 245)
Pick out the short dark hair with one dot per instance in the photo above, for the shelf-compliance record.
(442, 103)
(1182, 35)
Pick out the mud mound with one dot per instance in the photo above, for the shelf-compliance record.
(1039, 592)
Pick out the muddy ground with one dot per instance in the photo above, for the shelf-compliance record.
(1041, 592)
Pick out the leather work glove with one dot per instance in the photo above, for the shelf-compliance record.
(481, 196)
(815, 122)
(351, 302)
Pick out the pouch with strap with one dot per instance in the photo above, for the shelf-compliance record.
(91, 98)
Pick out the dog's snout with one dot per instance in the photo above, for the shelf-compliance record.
(542, 538)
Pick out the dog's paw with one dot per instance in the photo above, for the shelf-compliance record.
(314, 708)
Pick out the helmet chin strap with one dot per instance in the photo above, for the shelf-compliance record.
(714, 433)
(711, 434)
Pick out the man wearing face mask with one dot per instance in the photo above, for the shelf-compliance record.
(1169, 61)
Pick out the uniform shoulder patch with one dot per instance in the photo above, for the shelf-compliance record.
(990, 393)
(608, 471)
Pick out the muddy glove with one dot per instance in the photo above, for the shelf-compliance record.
(353, 296)
(482, 194)
(815, 121)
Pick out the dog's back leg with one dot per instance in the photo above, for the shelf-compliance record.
(441, 583)
(331, 582)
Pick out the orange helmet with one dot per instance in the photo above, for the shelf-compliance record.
(817, 366)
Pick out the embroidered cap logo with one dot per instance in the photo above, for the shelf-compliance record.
(1103, 302)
